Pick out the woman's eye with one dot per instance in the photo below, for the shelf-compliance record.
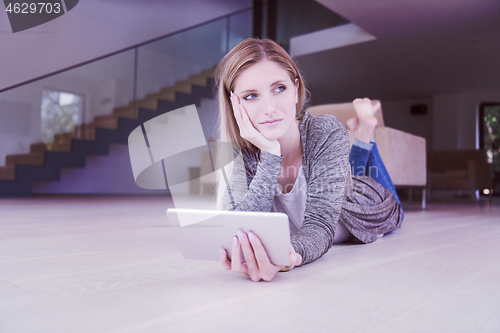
(280, 89)
(249, 97)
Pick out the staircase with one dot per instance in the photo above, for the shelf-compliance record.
(70, 149)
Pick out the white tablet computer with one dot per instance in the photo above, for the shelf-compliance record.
(202, 233)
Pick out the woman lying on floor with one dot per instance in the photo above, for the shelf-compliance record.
(297, 163)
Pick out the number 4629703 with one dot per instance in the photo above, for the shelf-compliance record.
(32, 8)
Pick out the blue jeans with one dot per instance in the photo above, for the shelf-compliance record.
(365, 160)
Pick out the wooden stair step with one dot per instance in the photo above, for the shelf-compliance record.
(35, 158)
(183, 86)
(64, 137)
(167, 94)
(129, 112)
(8, 172)
(198, 80)
(85, 132)
(61, 146)
(38, 147)
(146, 103)
(109, 121)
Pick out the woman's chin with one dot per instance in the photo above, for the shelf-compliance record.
(272, 135)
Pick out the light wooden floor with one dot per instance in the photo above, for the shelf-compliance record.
(110, 264)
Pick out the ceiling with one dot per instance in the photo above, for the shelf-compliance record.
(423, 48)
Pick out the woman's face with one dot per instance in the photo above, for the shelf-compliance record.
(270, 97)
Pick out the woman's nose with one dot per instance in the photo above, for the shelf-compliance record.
(269, 107)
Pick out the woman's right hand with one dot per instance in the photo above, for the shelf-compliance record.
(257, 264)
(249, 132)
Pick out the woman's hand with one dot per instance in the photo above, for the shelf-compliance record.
(257, 264)
(249, 132)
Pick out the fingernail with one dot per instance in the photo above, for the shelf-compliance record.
(235, 241)
(221, 252)
(295, 259)
(251, 236)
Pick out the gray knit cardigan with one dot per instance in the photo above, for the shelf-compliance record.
(361, 204)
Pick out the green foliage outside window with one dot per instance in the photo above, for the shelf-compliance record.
(61, 112)
(491, 121)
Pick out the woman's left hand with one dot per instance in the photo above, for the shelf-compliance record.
(257, 264)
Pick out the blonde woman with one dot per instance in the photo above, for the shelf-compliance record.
(296, 163)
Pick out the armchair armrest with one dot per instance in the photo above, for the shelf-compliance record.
(404, 156)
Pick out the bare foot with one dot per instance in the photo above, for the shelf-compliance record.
(365, 120)
(353, 124)
(364, 106)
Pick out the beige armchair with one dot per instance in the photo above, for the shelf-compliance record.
(404, 154)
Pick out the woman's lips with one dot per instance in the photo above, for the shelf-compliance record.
(271, 122)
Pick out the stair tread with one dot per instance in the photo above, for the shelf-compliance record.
(107, 116)
(36, 153)
(8, 172)
(34, 158)
(38, 147)
(106, 121)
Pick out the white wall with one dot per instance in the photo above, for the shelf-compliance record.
(451, 121)
(445, 128)
(456, 119)
(397, 115)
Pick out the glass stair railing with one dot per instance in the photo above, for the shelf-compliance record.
(126, 87)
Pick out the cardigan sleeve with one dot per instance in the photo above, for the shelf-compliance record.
(245, 193)
(328, 172)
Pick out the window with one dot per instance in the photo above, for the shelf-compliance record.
(61, 112)
(489, 138)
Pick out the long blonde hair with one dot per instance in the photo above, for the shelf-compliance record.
(242, 56)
